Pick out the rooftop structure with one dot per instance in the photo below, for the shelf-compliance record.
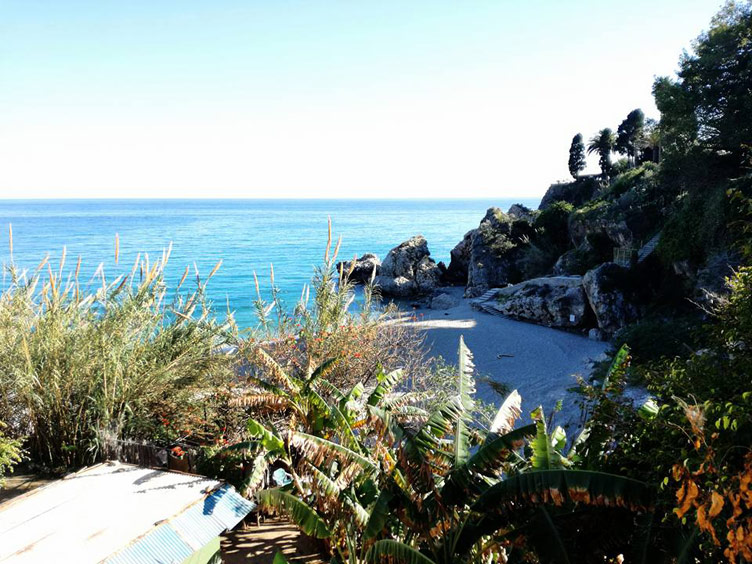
(119, 513)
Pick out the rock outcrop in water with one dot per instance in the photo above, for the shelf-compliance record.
(360, 269)
(408, 270)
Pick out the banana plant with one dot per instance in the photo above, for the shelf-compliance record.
(479, 497)
(382, 480)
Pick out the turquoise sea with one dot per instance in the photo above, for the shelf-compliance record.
(247, 235)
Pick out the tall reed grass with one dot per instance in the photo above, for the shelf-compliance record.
(120, 357)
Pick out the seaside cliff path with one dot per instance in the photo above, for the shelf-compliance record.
(540, 362)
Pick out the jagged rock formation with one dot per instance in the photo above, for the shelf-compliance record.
(408, 270)
(608, 293)
(518, 211)
(456, 273)
(557, 301)
(362, 268)
(494, 250)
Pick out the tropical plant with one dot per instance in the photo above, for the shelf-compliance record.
(603, 144)
(381, 478)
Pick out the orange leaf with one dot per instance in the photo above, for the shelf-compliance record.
(716, 504)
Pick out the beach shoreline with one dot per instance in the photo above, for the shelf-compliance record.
(541, 363)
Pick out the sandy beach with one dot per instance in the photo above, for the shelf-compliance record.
(541, 363)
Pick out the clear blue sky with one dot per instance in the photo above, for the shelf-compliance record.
(319, 99)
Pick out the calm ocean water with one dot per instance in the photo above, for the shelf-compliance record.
(247, 235)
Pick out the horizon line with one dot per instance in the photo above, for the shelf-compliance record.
(231, 198)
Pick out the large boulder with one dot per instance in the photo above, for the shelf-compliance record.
(408, 270)
(456, 272)
(444, 301)
(608, 291)
(360, 269)
(556, 301)
(495, 248)
(710, 287)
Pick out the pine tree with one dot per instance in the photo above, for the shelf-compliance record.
(576, 155)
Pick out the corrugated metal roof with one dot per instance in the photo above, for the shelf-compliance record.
(178, 538)
(116, 510)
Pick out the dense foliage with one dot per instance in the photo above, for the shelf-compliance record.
(115, 360)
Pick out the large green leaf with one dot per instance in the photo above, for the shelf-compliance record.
(559, 487)
(319, 372)
(466, 389)
(396, 552)
(552, 547)
(485, 462)
(304, 516)
(279, 558)
(256, 477)
(317, 449)
(545, 453)
(341, 423)
(326, 387)
(379, 515)
(616, 371)
(325, 484)
(385, 385)
(270, 441)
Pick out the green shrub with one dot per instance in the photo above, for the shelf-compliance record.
(657, 338)
(631, 179)
(119, 359)
(552, 225)
(697, 228)
(10, 454)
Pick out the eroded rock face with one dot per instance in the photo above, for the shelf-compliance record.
(582, 232)
(608, 293)
(556, 301)
(456, 273)
(408, 270)
(494, 250)
(363, 268)
(518, 211)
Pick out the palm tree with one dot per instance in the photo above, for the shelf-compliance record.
(603, 143)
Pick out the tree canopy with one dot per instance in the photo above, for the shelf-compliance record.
(630, 134)
(602, 144)
(709, 105)
(576, 155)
